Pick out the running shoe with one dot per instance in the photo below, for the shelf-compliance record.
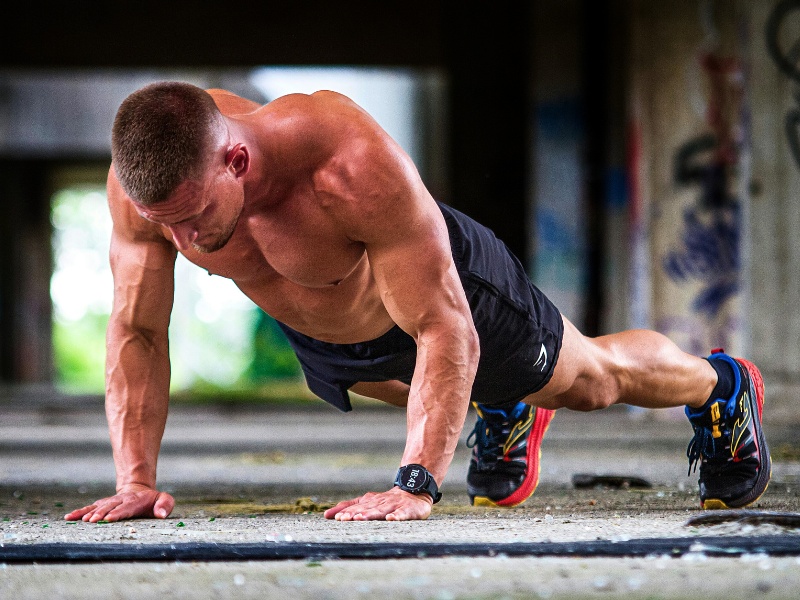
(729, 443)
(504, 468)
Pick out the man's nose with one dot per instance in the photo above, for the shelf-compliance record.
(183, 236)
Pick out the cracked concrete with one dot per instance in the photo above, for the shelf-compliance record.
(262, 475)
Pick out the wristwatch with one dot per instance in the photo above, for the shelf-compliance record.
(416, 479)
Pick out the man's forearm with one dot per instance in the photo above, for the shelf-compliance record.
(137, 398)
(439, 397)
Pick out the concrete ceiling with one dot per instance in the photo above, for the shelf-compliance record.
(126, 33)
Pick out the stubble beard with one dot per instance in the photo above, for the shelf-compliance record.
(220, 242)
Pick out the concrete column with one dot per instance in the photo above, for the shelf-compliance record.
(25, 268)
(774, 222)
(687, 148)
(714, 96)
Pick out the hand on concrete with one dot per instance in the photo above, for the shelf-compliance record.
(132, 501)
(394, 505)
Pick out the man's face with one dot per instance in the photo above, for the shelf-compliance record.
(200, 215)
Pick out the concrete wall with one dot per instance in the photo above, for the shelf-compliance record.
(716, 184)
(706, 250)
(775, 211)
(686, 92)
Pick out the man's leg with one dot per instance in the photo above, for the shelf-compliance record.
(637, 367)
(723, 397)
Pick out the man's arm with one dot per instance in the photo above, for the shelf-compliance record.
(137, 363)
(376, 194)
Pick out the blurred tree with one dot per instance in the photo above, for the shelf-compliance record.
(273, 357)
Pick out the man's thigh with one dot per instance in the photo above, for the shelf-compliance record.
(579, 365)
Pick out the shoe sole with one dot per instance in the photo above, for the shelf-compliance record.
(765, 472)
(541, 423)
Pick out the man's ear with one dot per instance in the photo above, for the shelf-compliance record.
(238, 158)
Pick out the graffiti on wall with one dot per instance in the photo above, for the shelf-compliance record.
(709, 250)
(783, 43)
(707, 256)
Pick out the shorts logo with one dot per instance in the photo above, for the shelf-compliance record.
(542, 360)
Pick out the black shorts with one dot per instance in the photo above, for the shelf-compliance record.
(520, 330)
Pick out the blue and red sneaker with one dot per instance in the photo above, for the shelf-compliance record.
(506, 450)
(729, 443)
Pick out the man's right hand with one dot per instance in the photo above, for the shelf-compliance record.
(133, 501)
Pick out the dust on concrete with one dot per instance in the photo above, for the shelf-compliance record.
(34, 514)
(250, 478)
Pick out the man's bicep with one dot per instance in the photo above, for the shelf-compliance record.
(142, 264)
(417, 278)
(143, 274)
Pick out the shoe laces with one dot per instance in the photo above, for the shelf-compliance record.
(489, 435)
(703, 446)
(487, 439)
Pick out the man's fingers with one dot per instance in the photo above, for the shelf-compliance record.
(163, 506)
(142, 503)
(374, 508)
(101, 512)
(128, 508)
(370, 514)
(124, 511)
(77, 514)
(341, 513)
(392, 506)
(406, 513)
(335, 510)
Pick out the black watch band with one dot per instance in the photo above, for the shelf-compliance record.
(416, 479)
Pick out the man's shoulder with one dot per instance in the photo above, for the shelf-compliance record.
(231, 104)
(311, 132)
(324, 112)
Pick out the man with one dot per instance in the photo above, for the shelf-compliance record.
(322, 220)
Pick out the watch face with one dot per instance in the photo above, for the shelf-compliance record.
(413, 477)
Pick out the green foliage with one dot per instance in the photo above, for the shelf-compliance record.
(273, 357)
(219, 348)
(79, 348)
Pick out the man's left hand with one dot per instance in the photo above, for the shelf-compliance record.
(394, 505)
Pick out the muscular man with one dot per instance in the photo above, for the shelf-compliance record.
(323, 221)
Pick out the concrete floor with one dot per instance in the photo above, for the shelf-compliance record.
(261, 476)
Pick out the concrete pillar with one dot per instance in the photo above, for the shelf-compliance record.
(25, 268)
(688, 148)
(715, 168)
(774, 89)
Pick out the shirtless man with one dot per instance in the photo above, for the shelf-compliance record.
(323, 221)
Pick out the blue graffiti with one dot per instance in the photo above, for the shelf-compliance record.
(709, 254)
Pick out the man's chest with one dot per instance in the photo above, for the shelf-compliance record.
(309, 254)
(327, 292)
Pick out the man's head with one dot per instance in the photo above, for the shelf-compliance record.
(163, 134)
(173, 155)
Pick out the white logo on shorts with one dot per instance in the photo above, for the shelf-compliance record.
(542, 358)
